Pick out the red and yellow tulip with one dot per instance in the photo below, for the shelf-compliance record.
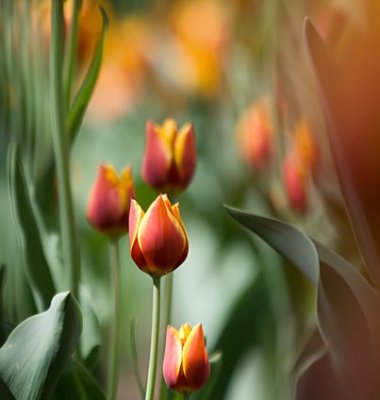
(170, 156)
(186, 367)
(108, 207)
(158, 239)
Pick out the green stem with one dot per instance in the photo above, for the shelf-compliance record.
(149, 395)
(71, 55)
(61, 149)
(115, 343)
(186, 397)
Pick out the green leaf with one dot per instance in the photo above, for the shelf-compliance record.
(83, 97)
(347, 305)
(284, 238)
(135, 361)
(249, 325)
(37, 351)
(78, 383)
(91, 338)
(36, 267)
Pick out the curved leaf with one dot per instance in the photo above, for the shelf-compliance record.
(37, 351)
(348, 306)
(36, 267)
(83, 97)
(350, 92)
(284, 238)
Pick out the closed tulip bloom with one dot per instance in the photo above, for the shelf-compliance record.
(296, 184)
(170, 156)
(186, 367)
(255, 135)
(109, 203)
(157, 238)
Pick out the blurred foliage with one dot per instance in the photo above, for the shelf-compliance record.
(213, 63)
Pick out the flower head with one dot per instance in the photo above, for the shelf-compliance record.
(108, 207)
(186, 367)
(158, 240)
(170, 156)
(255, 135)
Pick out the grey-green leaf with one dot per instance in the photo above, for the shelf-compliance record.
(37, 351)
(284, 238)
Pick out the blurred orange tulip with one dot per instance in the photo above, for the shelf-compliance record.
(186, 367)
(158, 239)
(255, 135)
(108, 207)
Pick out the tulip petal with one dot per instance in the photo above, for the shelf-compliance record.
(136, 214)
(172, 357)
(105, 206)
(185, 154)
(161, 237)
(157, 158)
(195, 364)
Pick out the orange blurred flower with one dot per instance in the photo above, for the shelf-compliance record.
(255, 135)
(186, 367)
(170, 156)
(198, 46)
(299, 166)
(158, 239)
(108, 207)
(123, 71)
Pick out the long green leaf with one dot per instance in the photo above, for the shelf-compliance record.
(287, 240)
(347, 307)
(36, 267)
(83, 97)
(37, 351)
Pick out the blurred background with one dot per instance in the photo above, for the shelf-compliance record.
(239, 71)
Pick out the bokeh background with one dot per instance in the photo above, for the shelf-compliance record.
(239, 71)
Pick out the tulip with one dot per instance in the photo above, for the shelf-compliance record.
(255, 135)
(186, 367)
(305, 146)
(295, 180)
(109, 203)
(158, 239)
(170, 156)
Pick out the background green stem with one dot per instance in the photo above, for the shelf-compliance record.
(115, 343)
(61, 150)
(149, 395)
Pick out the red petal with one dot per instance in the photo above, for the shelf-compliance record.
(161, 238)
(172, 358)
(157, 159)
(105, 209)
(195, 362)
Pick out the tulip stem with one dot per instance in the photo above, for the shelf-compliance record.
(61, 150)
(115, 342)
(149, 395)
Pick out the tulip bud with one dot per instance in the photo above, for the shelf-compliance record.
(158, 240)
(186, 367)
(109, 203)
(170, 156)
(255, 133)
(295, 181)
